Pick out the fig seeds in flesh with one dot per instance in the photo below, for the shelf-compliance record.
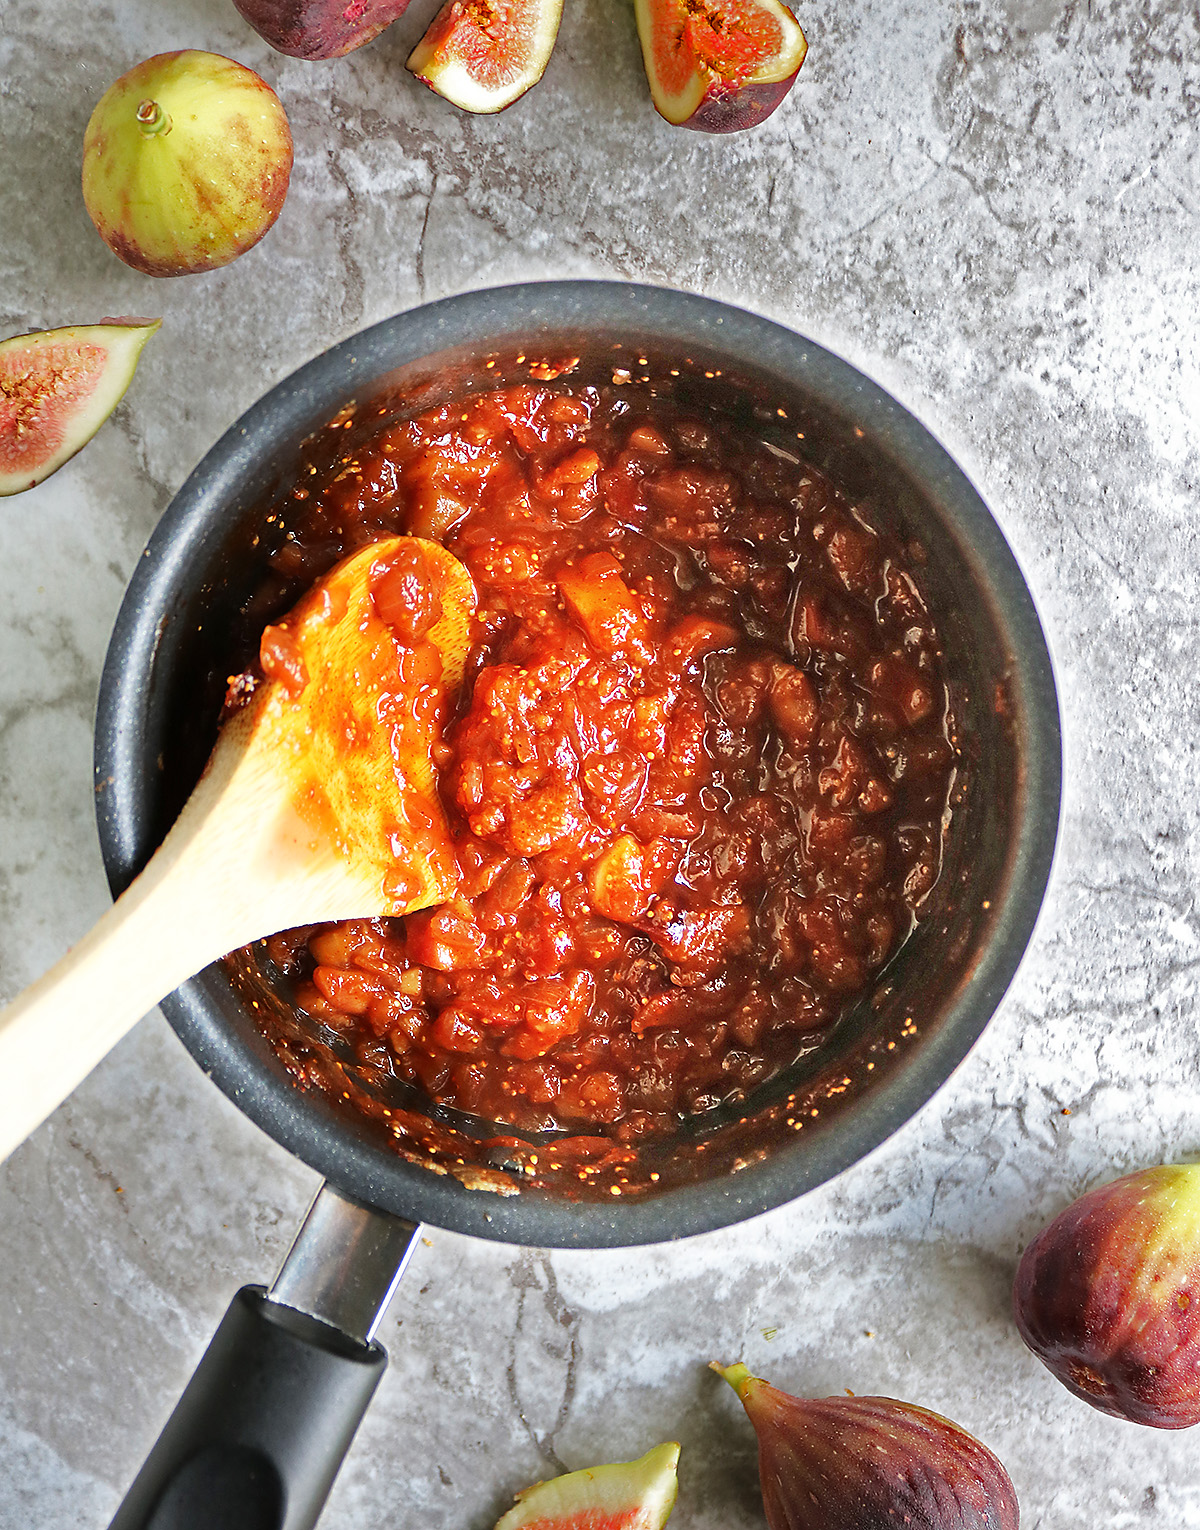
(57, 387)
(625, 1495)
(318, 29)
(869, 1463)
(186, 162)
(1108, 1297)
(719, 65)
(483, 55)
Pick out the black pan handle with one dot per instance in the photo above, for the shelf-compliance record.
(257, 1438)
(259, 1434)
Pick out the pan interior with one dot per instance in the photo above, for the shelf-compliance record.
(199, 608)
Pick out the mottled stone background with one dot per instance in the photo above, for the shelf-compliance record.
(992, 210)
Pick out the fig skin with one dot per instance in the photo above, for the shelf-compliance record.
(735, 90)
(1108, 1297)
(186, 163)
(737, 108)
(869, 1463)
(319, 29)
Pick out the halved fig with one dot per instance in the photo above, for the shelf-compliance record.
(57, 387)
(625, 1495)
(483, 54)
(719, 65)
(319, 29)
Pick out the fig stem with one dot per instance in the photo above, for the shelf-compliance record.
(152, 119)
(738, 1376)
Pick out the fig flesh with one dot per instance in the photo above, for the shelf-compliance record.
(719, 65)
(626, 1495)
(186, 162)
(317, 29)
(869, 1463)
(483, 55)
(57, 387)
(1108, 1297)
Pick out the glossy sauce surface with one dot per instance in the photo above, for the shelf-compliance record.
(698, 776)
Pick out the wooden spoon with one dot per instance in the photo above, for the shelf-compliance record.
(319, 802)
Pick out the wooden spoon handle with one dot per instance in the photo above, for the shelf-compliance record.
(193, 902)
(237, 865)
(54, 1034)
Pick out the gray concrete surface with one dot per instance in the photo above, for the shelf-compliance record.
(992, 210)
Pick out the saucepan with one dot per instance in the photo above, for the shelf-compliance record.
(262, 1428)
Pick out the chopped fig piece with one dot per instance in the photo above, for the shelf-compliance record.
(694, 636)
(854, 1463)
(627, 878)
(282, 660)
(719, 65)
(699, 938)
(1108, 1297)
(627, 1495)
(792, 703)
(406, 591)
(57, 387)
(317, 29)
(484, 54)
(606, 608)
(554, 1008)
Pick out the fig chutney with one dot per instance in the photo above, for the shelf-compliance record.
(698, 779)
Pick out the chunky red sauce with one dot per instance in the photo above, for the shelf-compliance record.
(697, 780)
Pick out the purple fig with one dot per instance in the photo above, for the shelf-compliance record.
(1108, 1297)
(320, 29)
(869, 1463)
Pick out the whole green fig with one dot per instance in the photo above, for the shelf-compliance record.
(186, 162)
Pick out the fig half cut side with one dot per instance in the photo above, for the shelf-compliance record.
(624, 1495)
(483, 55)
(719, 65)
(57, 387)
(319, 29)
